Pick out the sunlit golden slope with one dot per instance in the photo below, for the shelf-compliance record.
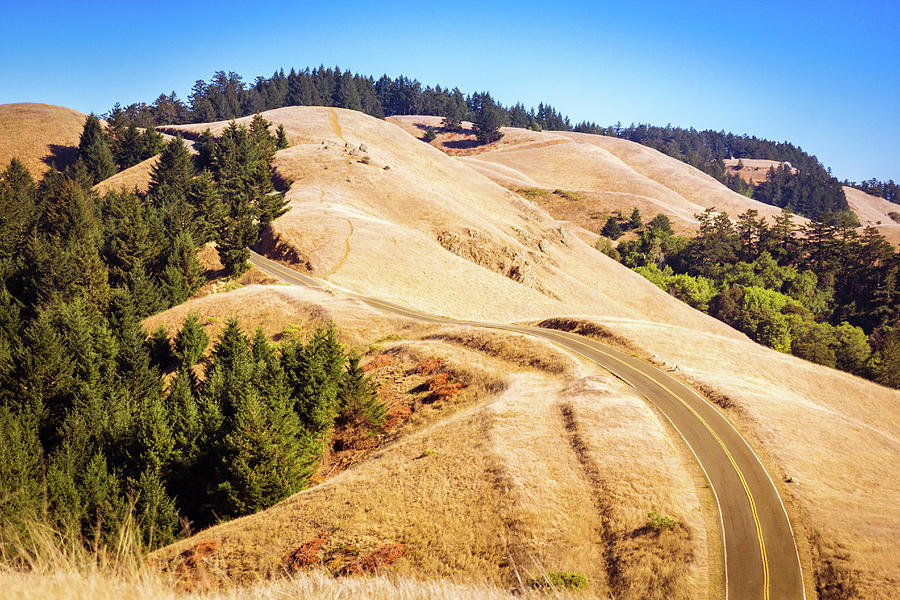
(39, 134)
(875, 212)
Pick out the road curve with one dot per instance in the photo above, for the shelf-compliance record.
(761, 558)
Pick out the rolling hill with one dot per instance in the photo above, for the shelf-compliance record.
(375, 210)
(604, 173)
(39, 135)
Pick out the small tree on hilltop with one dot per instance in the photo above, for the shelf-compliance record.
(281, 141)
(454, 111)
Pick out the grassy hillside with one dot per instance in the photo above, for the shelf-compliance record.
(601, 174)
(433, 232)
(875, 212)
(39, 135)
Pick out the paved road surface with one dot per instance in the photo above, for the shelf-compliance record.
(761, 560)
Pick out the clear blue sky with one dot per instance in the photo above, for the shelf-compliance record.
(823, 75)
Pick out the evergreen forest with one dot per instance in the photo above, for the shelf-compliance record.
(105, 426)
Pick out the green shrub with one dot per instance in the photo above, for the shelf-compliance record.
(567, 195)
(605, 245)
(658, 522)
(559, 580)
(430, 134)
(532, 193)
(895, 216)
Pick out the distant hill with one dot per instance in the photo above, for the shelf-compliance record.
(39, 135)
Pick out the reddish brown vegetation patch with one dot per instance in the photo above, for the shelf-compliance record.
(396, 415)
(306, 555)
(428, 366)
(193, 570)
(341, 560)
(379, 360)
(442, 386)
(372, 563)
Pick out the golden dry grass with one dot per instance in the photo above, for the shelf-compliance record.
(874, 211)
(134, 177)
(68, 585)
(58, 570)
(608, 173)
(38, 134)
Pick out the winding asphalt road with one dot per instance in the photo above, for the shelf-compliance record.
(761, 558)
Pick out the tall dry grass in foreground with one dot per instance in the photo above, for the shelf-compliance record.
(52, 566)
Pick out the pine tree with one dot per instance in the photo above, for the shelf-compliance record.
(265, 454)
(160, 348)
(314, 372)
(235, 235)
(635, 221)
(190, 341)
(262, 139)
(18, 205)
(129, 242)
(612, 229)
(888, 368)
(269, 204)
(206, 149)
(127, 147)
(154, 510)
(171, 176)
(94, 151)
(183, 275)
(145, 294)
(347, 94)
(488, 120)
(208, 206)
(281, 141)
(151, 143)
(358, 397)
(20, 477)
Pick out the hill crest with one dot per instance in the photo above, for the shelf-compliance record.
(40, 135)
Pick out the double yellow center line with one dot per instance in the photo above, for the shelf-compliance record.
(759, 533)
